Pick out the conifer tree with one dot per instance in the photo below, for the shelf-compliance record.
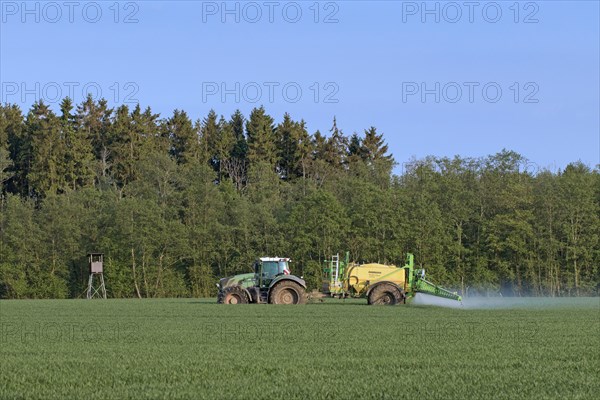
(47, 151)
(260, 132)
(78, 165)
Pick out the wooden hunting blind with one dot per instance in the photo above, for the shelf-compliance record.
(96, 266)
(96, 260)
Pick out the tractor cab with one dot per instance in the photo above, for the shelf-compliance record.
(268, 268)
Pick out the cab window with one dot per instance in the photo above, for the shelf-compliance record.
(282, 267)
(270, 268)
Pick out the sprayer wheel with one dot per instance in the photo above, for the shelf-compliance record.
(385, 294)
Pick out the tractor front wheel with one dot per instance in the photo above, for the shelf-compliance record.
(385, 294)
(232, 295)
(287, 292)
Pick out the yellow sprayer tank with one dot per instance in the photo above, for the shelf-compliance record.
(361, 277)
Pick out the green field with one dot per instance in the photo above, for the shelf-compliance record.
(189, 349)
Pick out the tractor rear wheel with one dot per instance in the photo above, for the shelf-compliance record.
(232, 295)
(287, 292)
(385, 294)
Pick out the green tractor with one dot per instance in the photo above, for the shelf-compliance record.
(271, 282)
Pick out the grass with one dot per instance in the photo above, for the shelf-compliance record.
(194, 349)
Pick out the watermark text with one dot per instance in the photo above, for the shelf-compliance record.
(54, 92)
(270, 92)
(253, 12)
(469, 92)
(452, 12)
(53, 12)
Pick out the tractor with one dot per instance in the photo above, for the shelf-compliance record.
(271, 282)
(379, 283)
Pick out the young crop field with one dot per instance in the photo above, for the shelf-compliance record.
(195, 349)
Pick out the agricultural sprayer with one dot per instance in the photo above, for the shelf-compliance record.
(379, 283)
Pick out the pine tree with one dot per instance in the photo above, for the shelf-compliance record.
(336, 148)
(261, 137)
(120, 156)
(18, 145)
(224, 147)
(94, 120)
(240, 150)
(373, 147)
(79, 157)
(47, 151)
(294, 148)
(11, 122)
(209, 137)
(236, 165)
(287, 144)
(355, 148)
(185, 146)
(319, 145)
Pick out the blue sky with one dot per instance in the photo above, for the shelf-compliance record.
(437, 78)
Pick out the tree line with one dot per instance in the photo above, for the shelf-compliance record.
(174, 204)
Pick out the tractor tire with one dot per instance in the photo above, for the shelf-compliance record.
(287, 292)
(232, 295)
(385, 294)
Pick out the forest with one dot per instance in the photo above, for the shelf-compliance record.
(174, 204)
